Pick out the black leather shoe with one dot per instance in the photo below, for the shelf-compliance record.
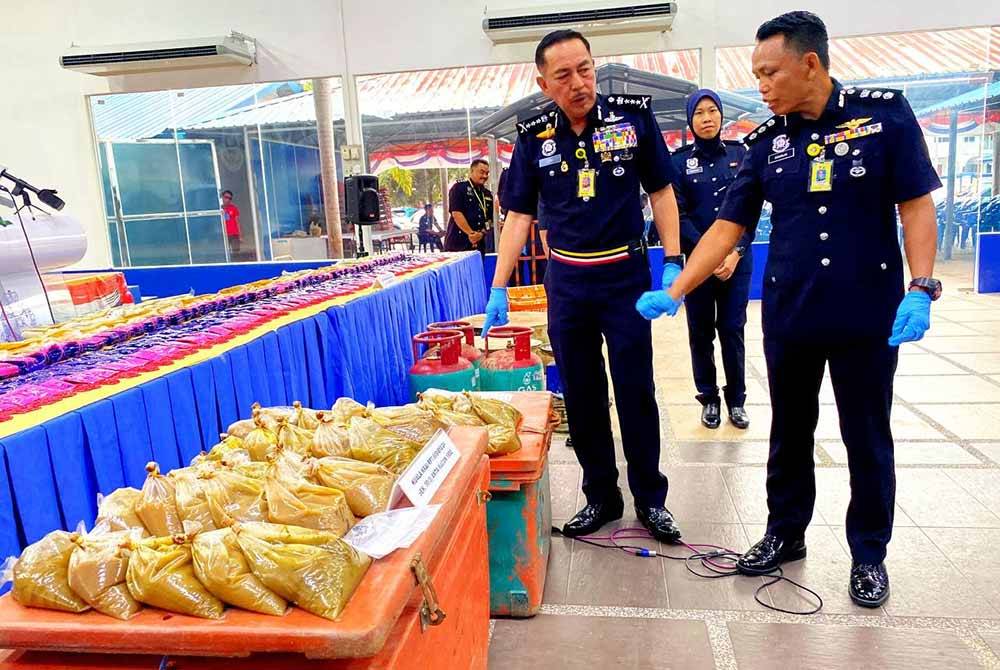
(869, 584)
(738, 417)
(710, 415)
(590, 519)
(764, 557)
(660, 523)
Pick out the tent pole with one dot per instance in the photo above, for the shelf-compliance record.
(323, 102)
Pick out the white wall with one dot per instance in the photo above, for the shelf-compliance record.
(46, 135)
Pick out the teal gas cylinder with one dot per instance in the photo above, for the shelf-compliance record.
(469, 351)
(441, 366)
(515, 368)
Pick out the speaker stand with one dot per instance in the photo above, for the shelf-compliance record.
(359, 236)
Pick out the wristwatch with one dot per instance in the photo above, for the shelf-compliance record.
(741, 251)
(676, 260)
(929, 285)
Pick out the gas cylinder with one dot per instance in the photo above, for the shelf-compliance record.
(442, 365)
(469, 351)
(515, 368)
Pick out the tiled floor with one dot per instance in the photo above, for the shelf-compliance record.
(609, 609)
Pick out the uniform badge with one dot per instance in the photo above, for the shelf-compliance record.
(564, 167)
(692, 163)
(548, 133)
(889, 95)
(692, 166)
(551, 160)
(626, 155)
(618, 171)
(820, 176)
(854, 123)
(853, 134)
(780, 144)
(548, 147)
(858, 170)
(814, 150)
(606, 157)
(614, 118)
(841, 149)
(615, 138)
(581, 153)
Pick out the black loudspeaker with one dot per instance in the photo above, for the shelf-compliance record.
(361, 199)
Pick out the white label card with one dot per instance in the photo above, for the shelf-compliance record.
(386, 280)
(424, 476)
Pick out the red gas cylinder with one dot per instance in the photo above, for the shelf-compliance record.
(515, 368)
(441, 366)
(469, 350)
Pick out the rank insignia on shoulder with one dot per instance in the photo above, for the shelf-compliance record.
(873, 94)
(543, 122)
(547, 134)
(765, 128)
(633, 101)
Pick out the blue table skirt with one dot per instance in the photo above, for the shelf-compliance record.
(50, 474)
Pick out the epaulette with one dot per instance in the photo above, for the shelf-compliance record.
(873, 93)
(623, 101)
(684, 149)
(539, 125)
(764, 129)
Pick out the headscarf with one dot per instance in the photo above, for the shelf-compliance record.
(692, 102)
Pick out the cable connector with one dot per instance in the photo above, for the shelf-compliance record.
(645, 553)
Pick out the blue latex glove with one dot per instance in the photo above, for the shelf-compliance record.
(913, 318)
(670, 273)
(654, 304)
(496, 309)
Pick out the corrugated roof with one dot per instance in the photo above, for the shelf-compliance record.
(292, 109)
(884, 56)
(972, 100)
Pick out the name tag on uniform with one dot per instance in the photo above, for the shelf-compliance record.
(551, 160)
(820, 176)
(586, 183)
(613, 138)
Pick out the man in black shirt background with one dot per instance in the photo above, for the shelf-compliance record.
(471, 207)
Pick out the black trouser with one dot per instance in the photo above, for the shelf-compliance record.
(719, 305)
(862, 373)
(584, 305)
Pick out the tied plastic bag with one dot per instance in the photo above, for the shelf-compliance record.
(503, 440)
(305, 418)
(161, 574)
(116, 512)
(344, 409)
(312, 569)
(97, 570)
(330, 439)
(233, 496)
(40, 575)
(261, 441)
(365, 485)
(229, 447)
(240, 429)
(219, 564)
(191, 494)
(293, 438)
(495, 412)
(409, 421)
(373, 444)
(158, 505)
(295, 501)
(450, 417)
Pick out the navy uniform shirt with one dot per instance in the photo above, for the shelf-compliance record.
(705, 171)
(834, 269)
(622, 143)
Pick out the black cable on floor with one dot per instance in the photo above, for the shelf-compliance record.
(708, 561)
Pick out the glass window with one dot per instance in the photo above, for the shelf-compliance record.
(166, 157)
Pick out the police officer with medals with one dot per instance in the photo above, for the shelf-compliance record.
(836, 163)
(706, 168)
(578, 167)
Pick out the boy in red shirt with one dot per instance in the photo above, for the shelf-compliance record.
(231, 216)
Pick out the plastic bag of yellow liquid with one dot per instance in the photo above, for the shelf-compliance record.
(161, 574)
(365, 485)
(410, 421)
(219, 564)
(40, 575)
(293, 438)
(228, 447)
(344, 409)
(330, 439)
(503, 440)
(495, 412)
(116, 512)
(295, 501)
(373, 444)
(254, 469)
(319, 577)
(158, 505)
(450, 417)
(233, 496)
(97, 570)
(304, 417)
(191, 494)
(261, 441)
(240, 429)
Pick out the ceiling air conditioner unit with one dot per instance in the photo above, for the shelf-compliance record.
(590, 18)
(187, 54)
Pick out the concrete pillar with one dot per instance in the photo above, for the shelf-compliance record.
(323, 102)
